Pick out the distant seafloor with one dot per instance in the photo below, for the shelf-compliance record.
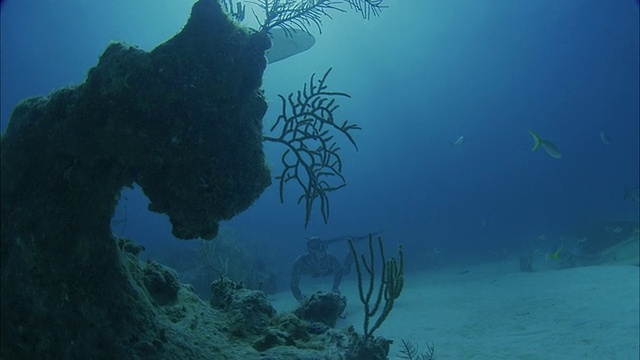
(494, 311)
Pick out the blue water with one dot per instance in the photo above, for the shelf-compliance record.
(420, 75)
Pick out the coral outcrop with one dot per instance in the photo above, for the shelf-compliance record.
(184, 122)
(301, 334)
(323, 307)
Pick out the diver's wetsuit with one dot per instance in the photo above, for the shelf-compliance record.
(315, 266)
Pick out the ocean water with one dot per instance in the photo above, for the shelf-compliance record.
(421, 75)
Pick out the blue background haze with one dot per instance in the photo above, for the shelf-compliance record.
(420, 75)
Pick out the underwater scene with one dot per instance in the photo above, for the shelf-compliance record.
(320, 179)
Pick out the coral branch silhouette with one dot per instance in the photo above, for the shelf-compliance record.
(292, 15)
(391, 277)
(306, 127)
(366, 8)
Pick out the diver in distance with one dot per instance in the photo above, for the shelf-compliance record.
(317, 262)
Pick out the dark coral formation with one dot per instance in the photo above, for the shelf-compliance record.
(323, 307)
(161, 283)
(249, 310)
(184, 122)
(298, 335)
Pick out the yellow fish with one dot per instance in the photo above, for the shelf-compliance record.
(548, 146)
(555, 256)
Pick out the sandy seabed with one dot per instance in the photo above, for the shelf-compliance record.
(493, 311)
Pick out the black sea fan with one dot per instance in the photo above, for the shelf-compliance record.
(306, 127)
(291, 15)
(366, 7)
(409, 351)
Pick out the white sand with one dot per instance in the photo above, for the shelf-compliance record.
(496, 312)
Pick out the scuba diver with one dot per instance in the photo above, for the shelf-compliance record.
(317, 262)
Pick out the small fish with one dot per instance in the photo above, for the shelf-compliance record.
(617, 230)
(555, 256)
(458, 143)
(547, 145)
(605, 139)
(632, 193)
(433, 254)
(580, 241)
(542, 237)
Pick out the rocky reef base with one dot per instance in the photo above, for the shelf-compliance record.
(237, 323)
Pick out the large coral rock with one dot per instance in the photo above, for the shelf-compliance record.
(250, 311)
(322, 307)
(252, 319)
(184, 122)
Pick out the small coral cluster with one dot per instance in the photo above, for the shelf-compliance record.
(305, 333)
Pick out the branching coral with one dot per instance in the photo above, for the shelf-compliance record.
(237, 10)
(410, 351)
(291, 15)
(392, 283)
(311, 158)
(306, 127)
(366, 8)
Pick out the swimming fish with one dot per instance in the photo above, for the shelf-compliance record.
(458, 143)
(632, 193)
(605, 139)
(547, 145)
(555, 256)
(434, 253)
